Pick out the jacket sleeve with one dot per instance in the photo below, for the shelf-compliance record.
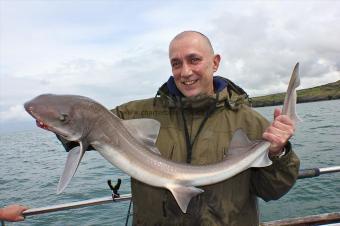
(272, 182)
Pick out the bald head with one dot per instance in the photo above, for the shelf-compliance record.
(193, 35)
(193, 63)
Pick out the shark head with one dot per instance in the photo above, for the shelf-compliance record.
(64, 115)
(58, 114)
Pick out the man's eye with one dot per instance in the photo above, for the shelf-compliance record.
(195, 60)
(175, 64)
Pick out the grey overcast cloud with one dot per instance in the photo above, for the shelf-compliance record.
(117, 51)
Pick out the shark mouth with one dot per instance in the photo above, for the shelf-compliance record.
(41, 124)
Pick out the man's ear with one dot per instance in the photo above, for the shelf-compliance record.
(216, 60)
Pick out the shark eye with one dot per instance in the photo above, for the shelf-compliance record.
(63, 117)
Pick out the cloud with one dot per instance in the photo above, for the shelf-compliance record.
(116, 52)
(15, 112)
(260, 43)
(111, 83)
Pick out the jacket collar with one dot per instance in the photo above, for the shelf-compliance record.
(226, 94)
(219, 85)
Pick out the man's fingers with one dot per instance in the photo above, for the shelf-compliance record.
(277, 112)
(279, 132)
(19, 218)
(276, 142)
(280, 128)
(285, 120)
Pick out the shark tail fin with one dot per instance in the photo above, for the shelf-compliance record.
(183, 195)
(289, 104)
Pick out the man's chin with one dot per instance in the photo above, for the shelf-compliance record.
(190, 93)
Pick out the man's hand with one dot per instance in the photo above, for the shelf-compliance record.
(279, 132)
(12, 212)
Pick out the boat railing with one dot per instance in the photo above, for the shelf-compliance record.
(314, 172)
(304, 173)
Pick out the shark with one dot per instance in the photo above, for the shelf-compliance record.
(131, 144)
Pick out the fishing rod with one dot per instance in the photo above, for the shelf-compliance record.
(304, 173)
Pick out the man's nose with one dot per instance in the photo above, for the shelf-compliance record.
(186, 70)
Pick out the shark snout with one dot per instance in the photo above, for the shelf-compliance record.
(37, 102)
(29, 107)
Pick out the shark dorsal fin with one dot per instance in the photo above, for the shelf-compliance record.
(240, 140)
(240, 145)
(183, 195)
(145, 130)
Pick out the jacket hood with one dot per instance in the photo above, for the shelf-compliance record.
(226, 94)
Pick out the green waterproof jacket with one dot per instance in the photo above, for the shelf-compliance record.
(230, 202)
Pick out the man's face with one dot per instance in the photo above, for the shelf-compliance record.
(193, 64)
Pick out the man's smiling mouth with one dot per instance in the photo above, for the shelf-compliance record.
(191, 82)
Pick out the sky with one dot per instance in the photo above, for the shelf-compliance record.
(117, 51)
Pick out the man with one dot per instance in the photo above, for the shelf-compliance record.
(12, 213)
(199, 114)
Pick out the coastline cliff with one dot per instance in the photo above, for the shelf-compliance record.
(330, 91)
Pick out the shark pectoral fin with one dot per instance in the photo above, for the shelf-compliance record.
(263, 160)
(183, 195)
(72, 162)
(146, 130)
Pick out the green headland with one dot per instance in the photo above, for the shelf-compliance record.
(330, 91)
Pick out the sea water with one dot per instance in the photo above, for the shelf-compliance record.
(32, 161)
